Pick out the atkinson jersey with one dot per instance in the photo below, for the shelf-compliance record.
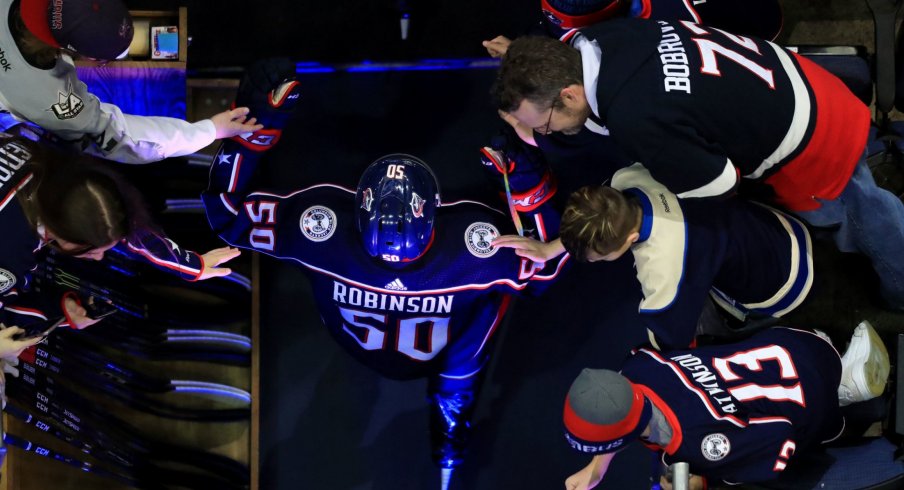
(433, 315)
(699, 107)
(740, 412)
(20, 306)
(750, 258)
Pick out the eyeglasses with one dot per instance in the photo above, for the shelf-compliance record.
(552, 109)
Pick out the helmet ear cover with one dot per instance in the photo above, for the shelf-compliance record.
(396, 203)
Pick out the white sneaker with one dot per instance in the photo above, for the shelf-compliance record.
(864, 366)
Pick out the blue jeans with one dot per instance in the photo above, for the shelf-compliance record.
(870, 220)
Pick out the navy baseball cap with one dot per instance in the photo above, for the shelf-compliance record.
(99, 29)
(604, 411)
(573, 14)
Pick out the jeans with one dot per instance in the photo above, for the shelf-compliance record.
(869, 220)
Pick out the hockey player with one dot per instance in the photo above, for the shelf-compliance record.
(408, 285)
(754, 261)
(39, 83)
(736, 413)
(81, 209)
(702, 108)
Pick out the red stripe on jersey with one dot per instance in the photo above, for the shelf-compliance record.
(14, 190)
(234, 178)
(825, 166)
(670, 417)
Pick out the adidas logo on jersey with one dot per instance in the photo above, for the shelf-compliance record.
(396, 285)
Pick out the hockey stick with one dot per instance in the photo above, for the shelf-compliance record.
(118, 443)
(146, 402)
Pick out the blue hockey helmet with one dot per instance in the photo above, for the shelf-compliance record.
(396, 202)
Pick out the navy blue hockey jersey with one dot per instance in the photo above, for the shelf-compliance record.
(18, 305)
(750, 258)
(740, 412)
(699, 106)
(433, 315)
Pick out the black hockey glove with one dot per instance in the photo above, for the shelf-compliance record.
(271, 92)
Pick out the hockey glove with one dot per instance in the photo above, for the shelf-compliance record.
(528, 175)
(269, 89)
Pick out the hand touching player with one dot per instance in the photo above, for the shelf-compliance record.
(216, 257)
(234, 122)
(530, 248)
(591, 475)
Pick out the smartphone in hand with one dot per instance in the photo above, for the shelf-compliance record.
(99, 308)
(39, 329)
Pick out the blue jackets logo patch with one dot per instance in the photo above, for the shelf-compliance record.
(318, 223)
(7, 280)
(478, 237)
(715, 447)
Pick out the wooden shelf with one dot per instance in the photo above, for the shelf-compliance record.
(155, 18)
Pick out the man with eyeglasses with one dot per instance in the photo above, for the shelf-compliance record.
(39, 84)
(701, 108)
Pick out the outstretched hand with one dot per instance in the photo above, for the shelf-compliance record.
(10, 348)
(235, 122)
(216, 257)
(530, 248)
(498, 46)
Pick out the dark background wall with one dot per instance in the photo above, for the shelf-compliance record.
(233, 32)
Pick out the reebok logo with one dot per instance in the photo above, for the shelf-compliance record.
(4, 62)
(396, 285)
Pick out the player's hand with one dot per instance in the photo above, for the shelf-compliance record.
(694, 483)
(76, 314)
(216, 257)
(10, 348)
(235, 122)
(530, 248)
(498, 46)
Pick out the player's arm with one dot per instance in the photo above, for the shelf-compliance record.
(591, 475)
(271, 92)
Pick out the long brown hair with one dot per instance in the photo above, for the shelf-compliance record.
(82, 201)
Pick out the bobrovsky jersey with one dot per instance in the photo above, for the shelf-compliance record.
(18, 304)
(700, 107)
(57, 101)
(750, 258)
(740, 412)
(432, 315)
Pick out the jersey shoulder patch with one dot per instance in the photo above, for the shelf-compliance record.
(7, 280)
(318, 223)
(715, 446)
(478, 237)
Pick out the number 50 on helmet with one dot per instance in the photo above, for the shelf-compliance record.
(396, 201)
